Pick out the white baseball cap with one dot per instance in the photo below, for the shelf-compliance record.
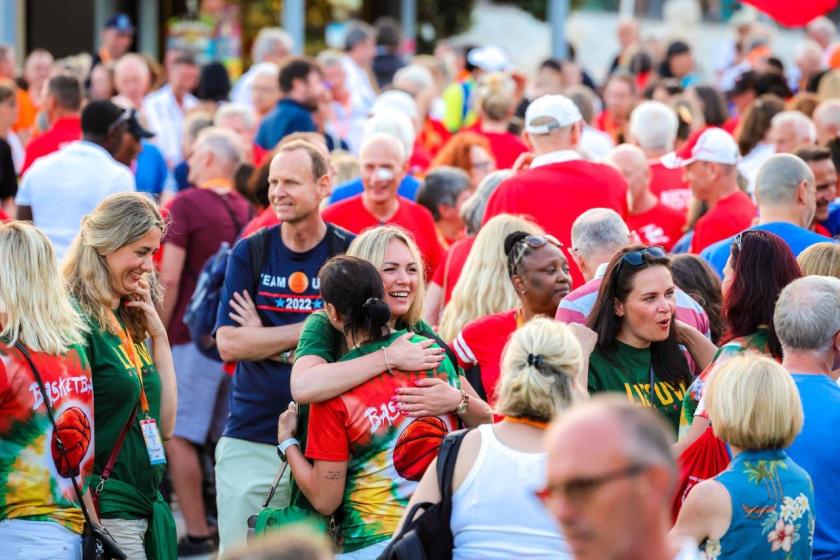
(712, 144)
(558, 107)
(489, 58)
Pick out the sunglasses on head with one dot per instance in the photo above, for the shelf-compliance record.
(739, 239)
(637, 258)
(534, 242)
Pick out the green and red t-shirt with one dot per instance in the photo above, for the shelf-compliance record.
(33, 473)
(386, 451)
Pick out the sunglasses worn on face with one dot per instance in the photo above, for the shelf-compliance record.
(534, 242)
(579, 489)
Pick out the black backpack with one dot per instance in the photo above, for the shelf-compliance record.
(427, 534)
(201, 313)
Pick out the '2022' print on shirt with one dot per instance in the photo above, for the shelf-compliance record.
(295, 302)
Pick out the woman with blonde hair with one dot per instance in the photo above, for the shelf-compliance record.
(39, 506)
(761, 506)
(537, 384)
(317, 375)
(111, 276)
(496, 108)
(821, 259)
(482, 287)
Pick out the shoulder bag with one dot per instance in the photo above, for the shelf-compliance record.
(97, 542)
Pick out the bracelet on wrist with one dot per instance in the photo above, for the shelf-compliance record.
(387, 363)
(285, 445)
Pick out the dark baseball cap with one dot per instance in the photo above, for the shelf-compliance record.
(120, 22)
(101, 116)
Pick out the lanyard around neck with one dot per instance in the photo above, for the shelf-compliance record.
(128, 343)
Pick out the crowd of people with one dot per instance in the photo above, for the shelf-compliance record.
(626, 291)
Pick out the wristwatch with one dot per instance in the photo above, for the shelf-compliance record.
(284, 445)
(463, 405)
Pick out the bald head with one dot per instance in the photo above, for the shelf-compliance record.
(382, 143)
(632, 163)
(132, 78)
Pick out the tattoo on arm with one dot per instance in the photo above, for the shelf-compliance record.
(333, 475)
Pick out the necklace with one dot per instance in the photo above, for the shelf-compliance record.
(526, 421)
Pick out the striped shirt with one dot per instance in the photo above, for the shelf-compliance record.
(578, 304)
(166, 119)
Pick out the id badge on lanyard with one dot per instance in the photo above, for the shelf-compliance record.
(148, 425)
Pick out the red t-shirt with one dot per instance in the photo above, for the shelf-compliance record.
(265, 219)
(506, 147)
(554, 195)
(668, 185)
(3, 216)
(352, 215)
(481, 343)
(660, 225)
(199, 223)
(63, 131)
(447, 274)
(728, 217)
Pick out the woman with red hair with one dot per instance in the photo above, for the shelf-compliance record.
(470, 152)
(760, 265)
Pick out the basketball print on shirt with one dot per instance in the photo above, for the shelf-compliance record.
(70, 441)
(417, 445)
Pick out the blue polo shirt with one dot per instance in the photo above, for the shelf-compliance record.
(816, 449)
(797, 238)
(832, 224)
(288, 117)
(151, 172)
(407, 189)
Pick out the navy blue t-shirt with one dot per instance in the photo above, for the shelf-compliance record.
(797, 238)
(288, 117)
(286, 293)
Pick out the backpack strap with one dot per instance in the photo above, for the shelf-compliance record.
(258, 249)
(339, 240)
(447, 456)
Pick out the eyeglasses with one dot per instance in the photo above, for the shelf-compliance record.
(578, 490)
(124, 117)
(637, 258)
(533, 242)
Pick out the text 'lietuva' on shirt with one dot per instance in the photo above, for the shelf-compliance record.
(286, 292)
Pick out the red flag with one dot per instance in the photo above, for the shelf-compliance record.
(793, 14)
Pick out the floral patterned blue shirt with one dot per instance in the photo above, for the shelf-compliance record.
(772, 509)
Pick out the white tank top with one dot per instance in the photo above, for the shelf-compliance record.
(495, 513)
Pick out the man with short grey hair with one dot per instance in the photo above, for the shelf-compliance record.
(201, 219)
(272, 45)
(786, 196)
(597, 236)
(807, 322)
(559, 185)
(610, 476)
(653, 128)
(791, 129)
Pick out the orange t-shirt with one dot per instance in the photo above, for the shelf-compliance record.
(27, 111)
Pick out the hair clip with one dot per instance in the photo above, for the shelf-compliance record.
(535, 360)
